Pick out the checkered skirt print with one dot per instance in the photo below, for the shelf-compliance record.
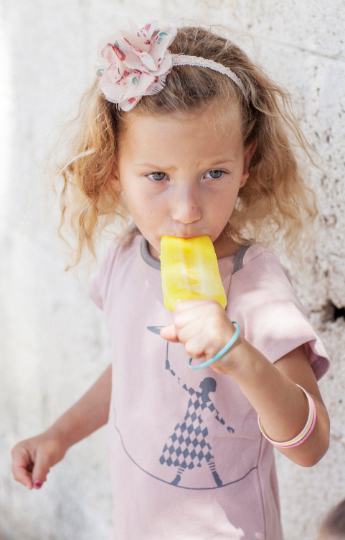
(187, 446)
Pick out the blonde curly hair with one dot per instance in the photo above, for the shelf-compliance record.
(275, 206)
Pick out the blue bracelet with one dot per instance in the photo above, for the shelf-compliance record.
(221, 352)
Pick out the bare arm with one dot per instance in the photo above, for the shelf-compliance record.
(281, 405)
(88, 414)
(33, 458)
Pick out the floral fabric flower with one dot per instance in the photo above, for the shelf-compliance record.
(134, 64)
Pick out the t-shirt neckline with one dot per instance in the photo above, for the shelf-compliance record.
(146, 255)
(151, 261)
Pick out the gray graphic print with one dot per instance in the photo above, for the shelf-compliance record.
(189, 444)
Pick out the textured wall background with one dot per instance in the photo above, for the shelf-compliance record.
(52, 340)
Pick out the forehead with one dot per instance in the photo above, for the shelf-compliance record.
(213, 129)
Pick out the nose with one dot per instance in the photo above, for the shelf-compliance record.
(186, 206)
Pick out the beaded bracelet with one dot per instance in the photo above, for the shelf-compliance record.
(221, 352)
(305, 433)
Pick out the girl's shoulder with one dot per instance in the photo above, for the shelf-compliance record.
(117, 253)
(121, 245)
(256, 256)
(263, 300)
(257, 269)
(255, 250)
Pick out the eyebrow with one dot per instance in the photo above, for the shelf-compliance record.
(153, 167)
(172, 167)
(221, 162)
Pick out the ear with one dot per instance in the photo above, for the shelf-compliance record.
(114, 180)
(248, 154)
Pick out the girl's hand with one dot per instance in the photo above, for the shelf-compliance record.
(32, 458)
(204, 328)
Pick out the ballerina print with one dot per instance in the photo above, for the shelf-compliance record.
(189, 445)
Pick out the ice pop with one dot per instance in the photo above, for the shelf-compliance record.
(190, 270)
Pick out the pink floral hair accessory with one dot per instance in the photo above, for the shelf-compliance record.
(134, 64)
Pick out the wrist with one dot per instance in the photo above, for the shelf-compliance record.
(242, 361)
(231, 360)
(62, 434)
(228, 356)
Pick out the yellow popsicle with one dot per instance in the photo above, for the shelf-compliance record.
(190, 271)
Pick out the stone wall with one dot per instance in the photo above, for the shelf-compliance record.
(53, 341)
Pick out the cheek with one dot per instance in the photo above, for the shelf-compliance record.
(228, 195)
(225, 202)
(142, 204)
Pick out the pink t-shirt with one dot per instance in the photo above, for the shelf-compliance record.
(187, 459)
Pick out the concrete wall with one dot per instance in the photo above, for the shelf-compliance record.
(53, 342)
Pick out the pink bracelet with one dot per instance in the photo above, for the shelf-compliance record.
(309, 432)
(305, 433)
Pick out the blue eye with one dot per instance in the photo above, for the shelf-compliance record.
(215, 174)
(157, 176)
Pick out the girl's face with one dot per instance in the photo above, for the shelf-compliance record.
(181, 175)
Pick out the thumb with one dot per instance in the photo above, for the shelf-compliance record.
(40, 470)
(169, 333)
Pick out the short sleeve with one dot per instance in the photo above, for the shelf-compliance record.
(272, 318)
(99, 285)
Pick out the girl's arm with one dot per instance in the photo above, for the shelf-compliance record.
(204, 328)
(88, 414)
(32, 458)
(281, 405)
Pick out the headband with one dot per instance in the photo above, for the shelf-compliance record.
(135, 64)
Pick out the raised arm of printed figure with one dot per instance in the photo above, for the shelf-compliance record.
(222, 421)
(32, 458)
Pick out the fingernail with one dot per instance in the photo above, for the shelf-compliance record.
(37, 484)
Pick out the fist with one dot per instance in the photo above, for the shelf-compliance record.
(33, 458)
(204, 329)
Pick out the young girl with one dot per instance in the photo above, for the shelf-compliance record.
(185, 135)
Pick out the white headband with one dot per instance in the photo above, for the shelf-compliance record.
(133, 64)
(184, 60)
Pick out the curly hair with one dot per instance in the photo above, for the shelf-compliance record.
(275, 206)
